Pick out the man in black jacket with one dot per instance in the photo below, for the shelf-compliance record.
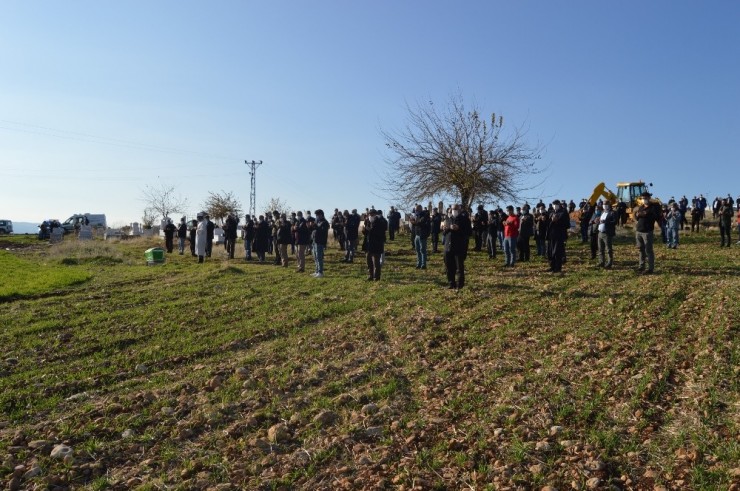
(394, 222)
(230, 231)
(557, 234)
(646, 216)
(169, 234)
(480, 224)
(351, 234)
(375, 228)
(457, 230)
(436, 228)
(248, 236)
(210, 227)
(182, 234)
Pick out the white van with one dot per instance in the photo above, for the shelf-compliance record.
(94, 220)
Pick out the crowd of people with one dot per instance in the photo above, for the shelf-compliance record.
(510, 231)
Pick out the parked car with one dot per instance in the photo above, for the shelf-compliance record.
(94, 220)
(6, 227)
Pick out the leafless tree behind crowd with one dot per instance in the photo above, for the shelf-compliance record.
(459, 154)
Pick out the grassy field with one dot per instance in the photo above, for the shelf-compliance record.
(236, 375)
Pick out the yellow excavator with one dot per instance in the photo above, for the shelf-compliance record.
(629, 193)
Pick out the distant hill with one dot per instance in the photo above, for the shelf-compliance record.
(25, 228)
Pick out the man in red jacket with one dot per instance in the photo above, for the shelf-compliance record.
(511, 233)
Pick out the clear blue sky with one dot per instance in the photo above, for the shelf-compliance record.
(98, 99)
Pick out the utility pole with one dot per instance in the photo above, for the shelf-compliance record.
(253, 189)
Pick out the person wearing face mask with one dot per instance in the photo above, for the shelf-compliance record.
(593, 231)
(557, 233)
(375, 229)
(422, 228)
(457, 230)
(645, 217)
(607, 230)
(511, 233)
(201, 237)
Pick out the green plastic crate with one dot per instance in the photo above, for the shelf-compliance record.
(155, 255)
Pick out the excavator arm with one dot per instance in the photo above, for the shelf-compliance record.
(601, 190)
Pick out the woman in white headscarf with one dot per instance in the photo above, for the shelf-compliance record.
(201, 237)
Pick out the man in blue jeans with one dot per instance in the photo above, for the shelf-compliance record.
(319, 234)
(420, 221)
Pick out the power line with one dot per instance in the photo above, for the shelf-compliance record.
(104, 140)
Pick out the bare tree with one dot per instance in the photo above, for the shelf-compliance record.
(162, 201)
(459, 154)
(148, 218)
(219, 206)
(276, 204)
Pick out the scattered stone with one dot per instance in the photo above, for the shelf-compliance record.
(542, 446)
(263, 445)
(278, 433)
(567, 443)
(555, 430)
(536, 469)
(498, 432)
(214, 383)
(141, 368)
(301, 456)
(364, 460)
(64, 337)
(167, 410)
(11, 361)
(369, 409)
(19, 470)
(650, 474)
(549, 488)
(660, 488)
(296, 419)
(593, 483)
(60, 451)
(38, 444)
(326, 418)
(32, 472)
(127, 433)
(80, 396)
(14, 484)
(241, 373)
(594, 465)
(374, 431)
(343, 399)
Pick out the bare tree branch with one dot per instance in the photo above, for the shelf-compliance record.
(162, 201)
(457, 153)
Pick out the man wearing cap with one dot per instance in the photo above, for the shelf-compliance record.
(646, 217)
(557, 233)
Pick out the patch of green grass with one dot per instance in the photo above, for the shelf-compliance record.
(20, 277)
